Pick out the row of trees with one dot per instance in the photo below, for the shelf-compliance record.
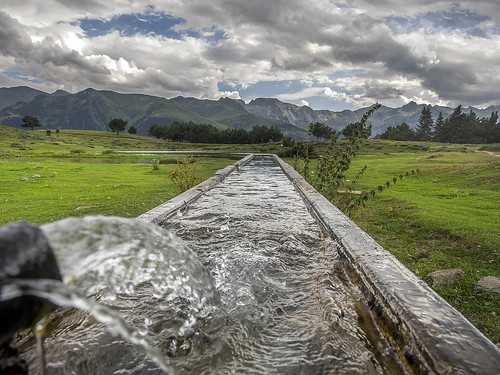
(459, 127)
(206, 133)
(116, 125)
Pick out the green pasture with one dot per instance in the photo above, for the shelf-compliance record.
(445, 216)
(90, 144)
(83, 187)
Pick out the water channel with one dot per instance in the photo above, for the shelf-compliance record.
(286, 306)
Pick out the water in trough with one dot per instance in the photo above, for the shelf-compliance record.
(248, 284)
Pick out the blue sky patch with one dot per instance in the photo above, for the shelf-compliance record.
(22, 77)
(160, 24)
(464, 21)
(132, 24)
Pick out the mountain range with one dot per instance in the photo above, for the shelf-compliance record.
(91, 109)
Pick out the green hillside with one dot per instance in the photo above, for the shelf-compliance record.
(230, 113)
(92, 110)
(13, 95)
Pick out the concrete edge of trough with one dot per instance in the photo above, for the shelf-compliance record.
(162, 212)
(429, 335)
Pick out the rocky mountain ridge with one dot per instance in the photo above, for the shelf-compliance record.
(92, 109)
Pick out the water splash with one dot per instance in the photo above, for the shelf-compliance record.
(142, 275)
(64, 295)
(113, 256)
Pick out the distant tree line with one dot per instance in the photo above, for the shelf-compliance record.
(459, 127)
(206, 133)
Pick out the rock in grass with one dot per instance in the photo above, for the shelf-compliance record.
(489, 284)
(441, 278)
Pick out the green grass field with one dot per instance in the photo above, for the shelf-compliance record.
(446, 216)
(81, 174)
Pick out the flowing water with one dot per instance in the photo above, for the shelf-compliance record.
(248, 284)
(285, 305)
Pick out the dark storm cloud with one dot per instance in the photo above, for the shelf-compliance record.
(17, 44)
(13, 41)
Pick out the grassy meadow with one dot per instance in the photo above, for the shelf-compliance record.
(445, 216)
(81, 174)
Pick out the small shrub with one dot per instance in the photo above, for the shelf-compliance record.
(288, 142)
(77, 151)
(184, 174)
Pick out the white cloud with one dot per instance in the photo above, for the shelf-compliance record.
(347, 54)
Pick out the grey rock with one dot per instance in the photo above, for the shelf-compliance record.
(25, 179)
(441, 278)
(490, 284)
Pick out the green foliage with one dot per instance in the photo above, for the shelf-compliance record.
(401, 132)
(288, 142)
(319, 130)
(117, 125)
(333, 166)
(132, 130)
(206, 133)
(459, 127)
(360, 129)
(156, 164)
(184, 174)
(336, 161)
(424, 131)
(30, 122)
(304, 150)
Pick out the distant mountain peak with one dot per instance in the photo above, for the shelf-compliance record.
(410, 107)
(60, 93)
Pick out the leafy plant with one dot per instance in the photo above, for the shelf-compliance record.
(330, 179)
(156, 164)
(30, 122)
(184, 174)
(336, 161)
(117, 125)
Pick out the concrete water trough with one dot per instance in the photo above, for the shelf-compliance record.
(426, 334)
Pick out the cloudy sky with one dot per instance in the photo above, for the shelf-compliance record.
(334, 55)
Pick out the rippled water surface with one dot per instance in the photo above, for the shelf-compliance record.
(284, 308)
(243, 281)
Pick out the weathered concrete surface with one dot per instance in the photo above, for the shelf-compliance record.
(428, 334)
